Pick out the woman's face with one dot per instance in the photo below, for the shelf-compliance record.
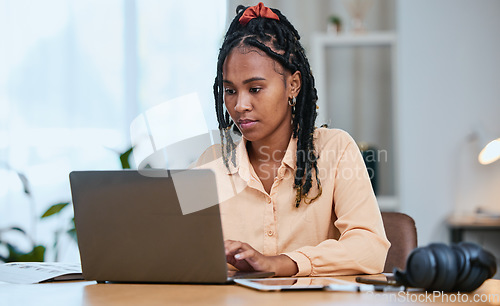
(256, 94)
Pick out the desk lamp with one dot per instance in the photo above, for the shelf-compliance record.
(489, 146)
(490, 152)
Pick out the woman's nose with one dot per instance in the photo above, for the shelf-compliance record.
(243, 104)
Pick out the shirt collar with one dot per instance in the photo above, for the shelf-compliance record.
(290, 158)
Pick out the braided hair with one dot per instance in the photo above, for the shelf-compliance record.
(283, 37)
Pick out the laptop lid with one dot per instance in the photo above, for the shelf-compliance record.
(130, 227)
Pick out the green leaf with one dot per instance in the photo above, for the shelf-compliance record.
(72, 233)
(25, 182)
(335, 20)
(14, 228)
(124, 158)
(54, 209)
(36, 254)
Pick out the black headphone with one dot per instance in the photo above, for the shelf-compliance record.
(438, 267)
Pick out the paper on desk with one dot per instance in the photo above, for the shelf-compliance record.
(36, 272)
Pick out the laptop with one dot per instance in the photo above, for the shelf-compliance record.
(131, 228)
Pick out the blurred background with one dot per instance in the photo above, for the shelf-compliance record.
(416, 81)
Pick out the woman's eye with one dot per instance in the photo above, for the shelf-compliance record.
(255, 89)
(229, 91)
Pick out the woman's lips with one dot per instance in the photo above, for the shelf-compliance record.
(246, 124)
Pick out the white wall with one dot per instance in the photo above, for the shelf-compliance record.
(449, 77)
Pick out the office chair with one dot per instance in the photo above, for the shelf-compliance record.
(402, 234)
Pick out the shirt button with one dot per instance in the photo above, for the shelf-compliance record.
(269, 200)
(270, 233)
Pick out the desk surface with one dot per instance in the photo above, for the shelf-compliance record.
(473, 221)
(90, 293)
(459, 224)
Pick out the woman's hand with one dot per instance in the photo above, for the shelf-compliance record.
(245, 258)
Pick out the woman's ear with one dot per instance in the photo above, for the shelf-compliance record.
(295, 83)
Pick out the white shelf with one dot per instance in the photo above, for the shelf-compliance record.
(350, 40)
(323, 42)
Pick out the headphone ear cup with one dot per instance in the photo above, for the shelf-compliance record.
(476, 277)
(447, 268)
(420, 269)
(464, 264)
(482, 267)
(488, 260)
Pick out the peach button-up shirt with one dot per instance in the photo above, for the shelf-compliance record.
(341, 232)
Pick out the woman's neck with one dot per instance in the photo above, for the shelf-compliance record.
(270, 150)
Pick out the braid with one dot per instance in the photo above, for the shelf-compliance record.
(269, 35)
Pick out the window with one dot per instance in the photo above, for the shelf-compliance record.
(74, 74)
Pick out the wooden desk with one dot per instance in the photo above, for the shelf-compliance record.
(458, 225)
(90, 293)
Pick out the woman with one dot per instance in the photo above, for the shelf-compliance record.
(303, 204)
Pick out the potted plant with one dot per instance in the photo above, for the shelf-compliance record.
(334, 24)
(36, 253)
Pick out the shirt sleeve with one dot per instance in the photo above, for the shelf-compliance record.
(362, 246)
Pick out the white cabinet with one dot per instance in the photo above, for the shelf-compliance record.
(351, 64)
